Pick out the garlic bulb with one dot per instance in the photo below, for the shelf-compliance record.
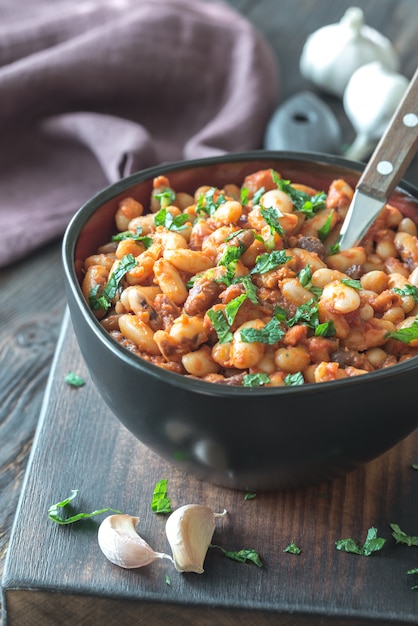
(334, 52)
(121, 544)
(370, 100)
(189, 531)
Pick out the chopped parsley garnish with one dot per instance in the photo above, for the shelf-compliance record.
(401, 537)
(165, 197)
(325, 229)
(168, 220)
(244, 196)
(306, 314)
(241, 555)
(407, 334)
(270, 333)
(136, 236)
(167, 580)
(103, 300)
(271, 217)
(220, 325)
(269, 261)
(280, 313)
(74, 380)
(207, 203)
(249, 495)
(302, 201)
(258, 194)
(372, 544)
(413, 571)
(305, 276)
(255, 380)
(160, 501)
(56, 511)
(292, 380)
(250, 288)
(326, 329)
(407, 290)
(292, 548)
(233, 306)
(350, 282)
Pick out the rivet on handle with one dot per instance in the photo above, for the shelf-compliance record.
(410, 120)
(384, 167)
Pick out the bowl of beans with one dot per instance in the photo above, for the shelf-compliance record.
(224, 327)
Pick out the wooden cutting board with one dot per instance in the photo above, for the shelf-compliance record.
(58, 574)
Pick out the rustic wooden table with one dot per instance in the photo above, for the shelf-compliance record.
(32, 294)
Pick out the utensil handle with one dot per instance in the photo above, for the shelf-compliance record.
(396, 148)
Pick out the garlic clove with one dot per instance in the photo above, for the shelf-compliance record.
(189, 531)
(370, 100)
(121, 544)
(334, 52)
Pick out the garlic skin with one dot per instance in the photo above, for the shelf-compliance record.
(189, 531)
(370, 100)
(334, 52)
(121, 544)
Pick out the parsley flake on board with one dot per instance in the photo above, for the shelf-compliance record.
(401, 537)
(241, 555)
(292, 548)
(413, 571)
(250, 495)
(74, 380)
(103, 300)
(255, 380)
(56, 511)
(372, 544)
(160, 501)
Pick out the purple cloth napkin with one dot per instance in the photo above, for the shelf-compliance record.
(93, 91)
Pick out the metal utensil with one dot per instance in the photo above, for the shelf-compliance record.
(384, 170)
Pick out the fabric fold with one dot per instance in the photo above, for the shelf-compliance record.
(126, 87)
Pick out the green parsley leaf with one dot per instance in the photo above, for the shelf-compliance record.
(269, 261)
(350, 282)
(250, 288)
(207, 203)
(56, 511)
(413, 571)
(407, 290)
(126, 234)
(305, 276)
(165, 197)
(160, 501)
(302, 201)
(168, 220)
(372, 544)
(249, 495)
(241, 555)
(74, 380)
(269, 334)
(306, 314)
(414, 466)
(292, 380)
(401, 537)
(280, 313)
(104, 299)
(255, 380)
(335, 248)
(233, 306)
(220, 325)
(292, 548)
(325, 229)
(231, 255)
(271, 216)
(407, 334)
(258, 194)
(326, 329)
(167, 580)
(244, 196)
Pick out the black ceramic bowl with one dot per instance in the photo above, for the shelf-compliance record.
(258, 438)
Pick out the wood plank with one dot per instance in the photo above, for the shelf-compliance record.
(58, 570)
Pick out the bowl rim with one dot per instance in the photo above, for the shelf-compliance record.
(85, 212)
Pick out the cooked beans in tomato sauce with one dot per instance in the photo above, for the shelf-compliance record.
(246, 285)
